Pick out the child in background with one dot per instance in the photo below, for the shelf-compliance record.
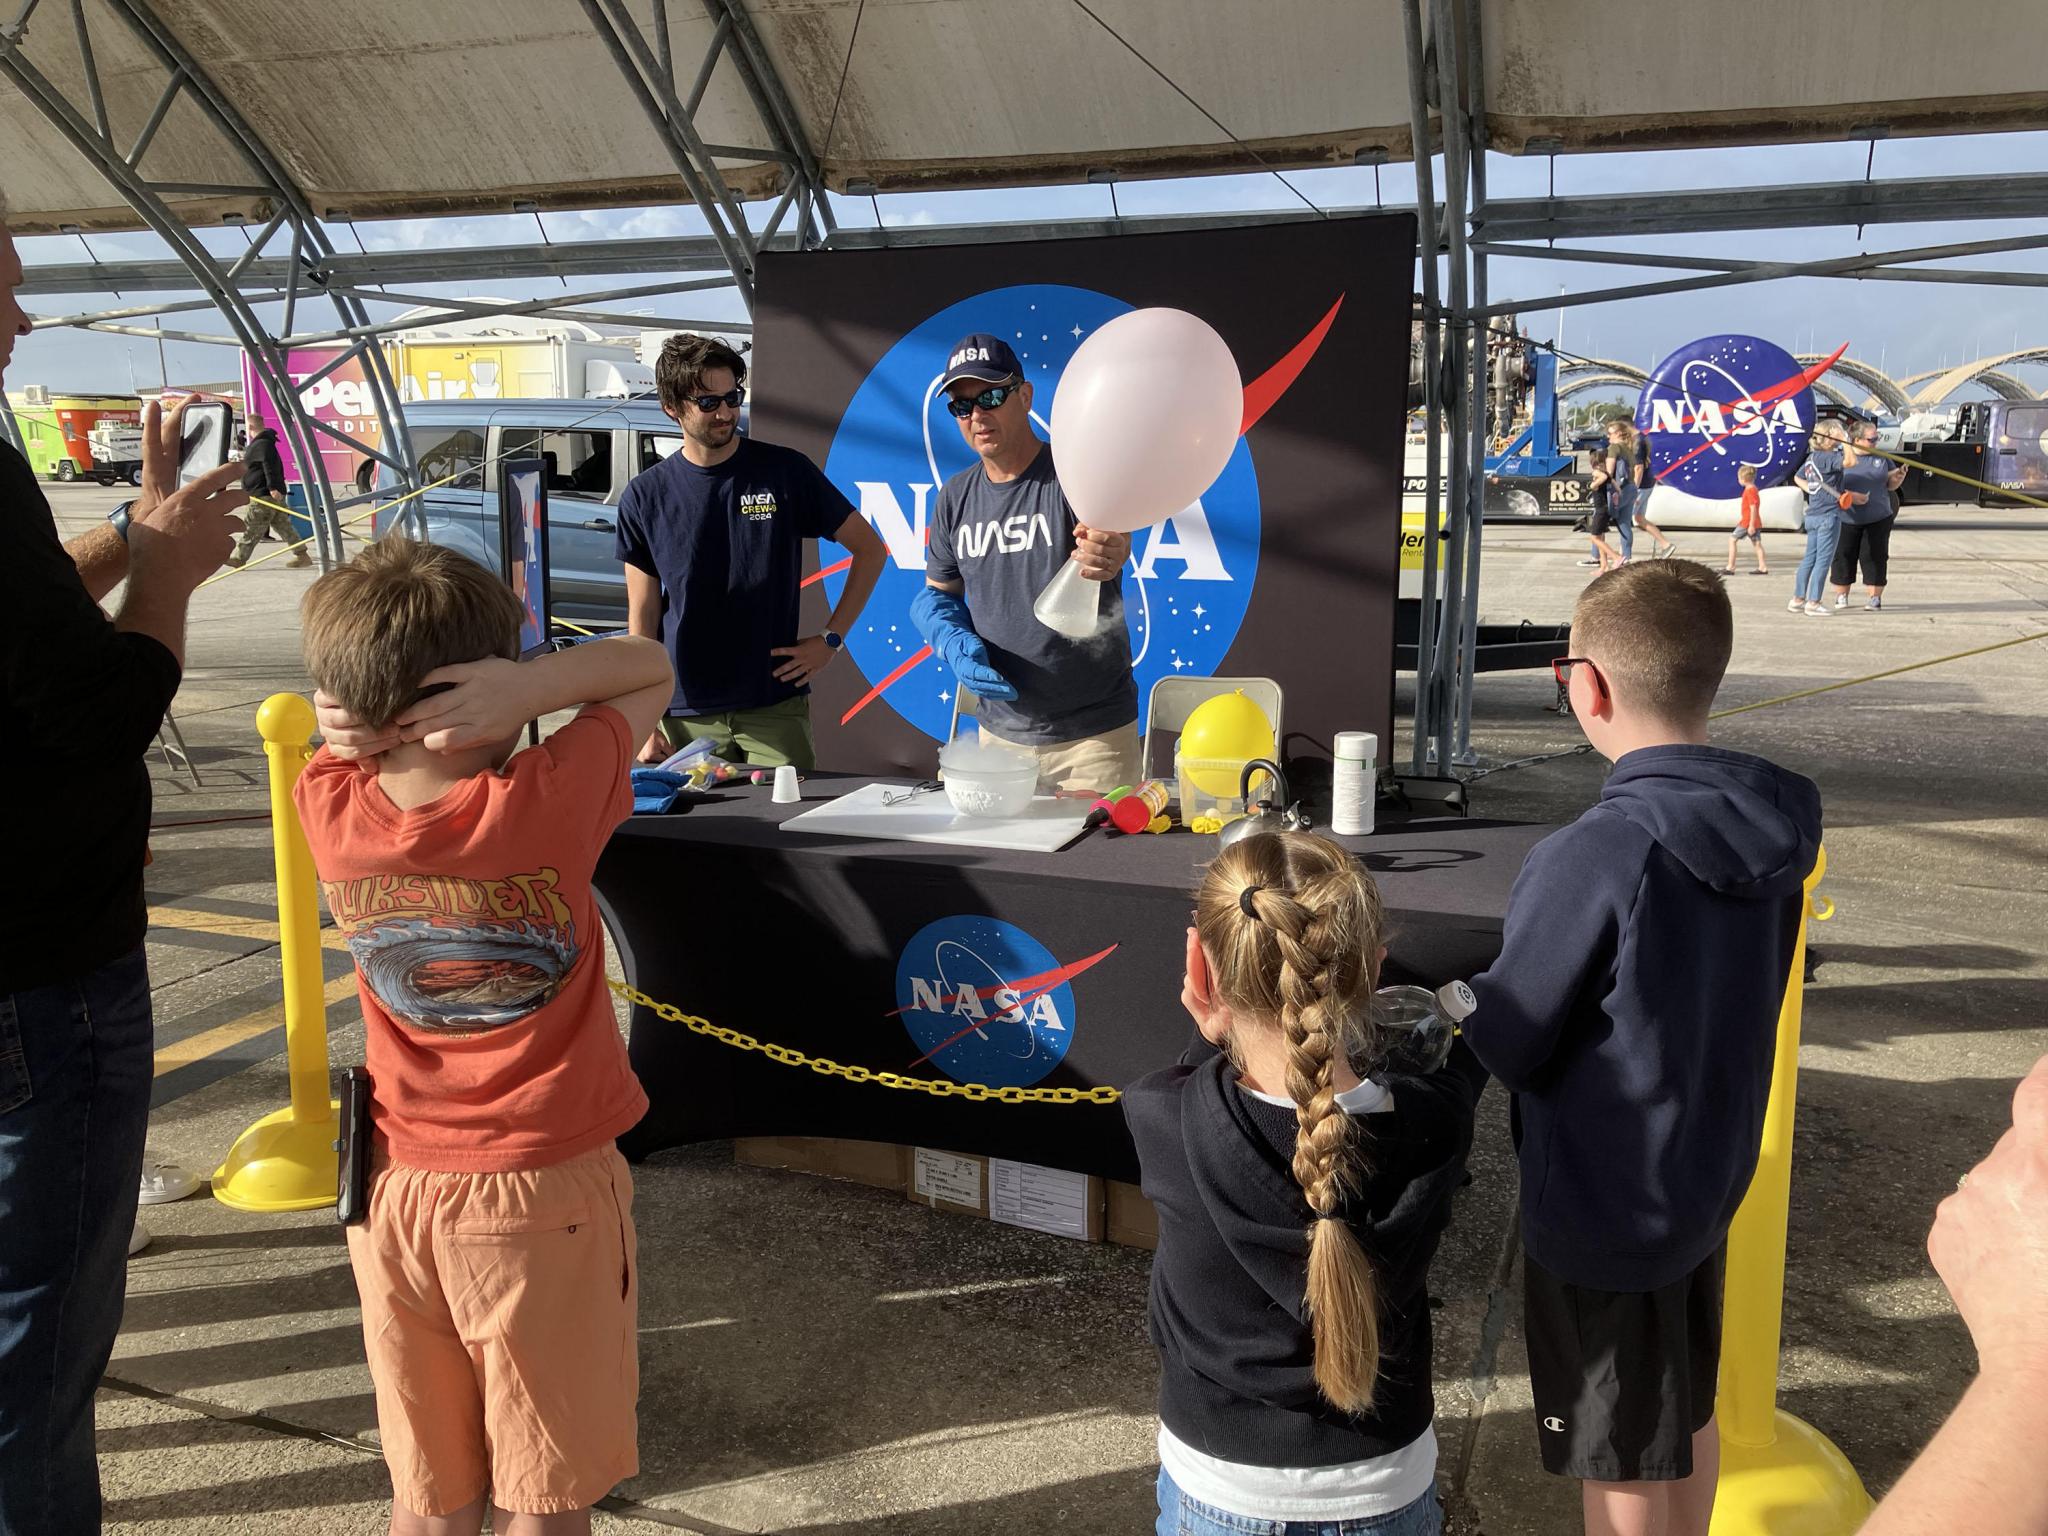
(1749, 524)
(1601, 518)
(1633, 1013)
(496, 1261)
(1300, 1201)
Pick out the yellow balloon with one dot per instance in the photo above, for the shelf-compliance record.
(1228, 728)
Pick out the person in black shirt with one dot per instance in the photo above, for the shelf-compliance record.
(263, 475)
(1300, 1197)
(712, 539)
(80, 701)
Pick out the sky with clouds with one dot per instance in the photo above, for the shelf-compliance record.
(1903, 327)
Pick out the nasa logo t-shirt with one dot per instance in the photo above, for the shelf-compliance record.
(1004, 543)
(727, 545)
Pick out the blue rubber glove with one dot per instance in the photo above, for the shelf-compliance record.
(942, 618)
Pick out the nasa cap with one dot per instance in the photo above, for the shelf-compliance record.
(983, 358)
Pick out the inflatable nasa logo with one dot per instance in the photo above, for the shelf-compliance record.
(1720, 403)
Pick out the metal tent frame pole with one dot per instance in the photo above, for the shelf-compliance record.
(1478, 415)
(1442, 681)
(1432, 345)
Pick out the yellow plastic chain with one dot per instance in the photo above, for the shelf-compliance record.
(938, 1088)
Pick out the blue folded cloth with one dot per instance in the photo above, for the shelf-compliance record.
(655, 790)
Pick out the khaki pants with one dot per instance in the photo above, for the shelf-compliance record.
(767, 737)
(1094, 764)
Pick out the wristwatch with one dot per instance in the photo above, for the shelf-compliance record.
(120, 519)
(833, 640)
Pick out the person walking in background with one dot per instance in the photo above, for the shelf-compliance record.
(1601, 518)
(1628, 453)
(263, 475)
(1749, 523)
(1867, 527)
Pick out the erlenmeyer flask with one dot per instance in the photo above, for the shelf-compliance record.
(1070, 605)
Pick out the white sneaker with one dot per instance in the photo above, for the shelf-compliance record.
(1816, 611)
(138, 1240)
(1797, 605)
(1841, 600)
(163, 1183)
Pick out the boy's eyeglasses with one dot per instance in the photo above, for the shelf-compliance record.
(710, 403)
(990, 399)
(1561, 669)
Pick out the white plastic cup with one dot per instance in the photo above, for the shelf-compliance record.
(786, 792)
(1354, 783)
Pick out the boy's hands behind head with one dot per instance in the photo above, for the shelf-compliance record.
(483, 703)
(346, 736)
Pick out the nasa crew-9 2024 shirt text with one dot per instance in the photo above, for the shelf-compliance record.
(727, 544)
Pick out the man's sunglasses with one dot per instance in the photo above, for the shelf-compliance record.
(709, 403)
(989, 399)
(1561, 669)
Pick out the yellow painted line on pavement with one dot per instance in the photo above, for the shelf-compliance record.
(191, 920)
(167, 922)
(210, 1042)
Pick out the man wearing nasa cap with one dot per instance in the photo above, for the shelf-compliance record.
(1000, 532)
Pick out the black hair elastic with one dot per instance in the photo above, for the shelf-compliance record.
(1244, 901)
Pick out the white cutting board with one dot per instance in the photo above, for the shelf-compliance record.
(1049, 825)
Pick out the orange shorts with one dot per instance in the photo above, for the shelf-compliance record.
(499, 1312)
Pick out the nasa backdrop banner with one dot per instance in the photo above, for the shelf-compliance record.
(1285, 568)
(1723, 402)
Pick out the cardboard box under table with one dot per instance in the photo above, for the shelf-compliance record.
(1020, 970)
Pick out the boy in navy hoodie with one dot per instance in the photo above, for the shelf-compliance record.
(1633, 1014)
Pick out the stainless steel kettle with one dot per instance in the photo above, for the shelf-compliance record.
(1266, 816)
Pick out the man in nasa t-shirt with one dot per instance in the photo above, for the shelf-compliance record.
(1000, 532)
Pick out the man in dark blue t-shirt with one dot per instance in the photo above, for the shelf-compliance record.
(713, 543)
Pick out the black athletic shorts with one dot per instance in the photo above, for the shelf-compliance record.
(1622, 1379)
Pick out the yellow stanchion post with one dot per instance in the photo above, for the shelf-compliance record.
(1779, 1475)
(286, 1160)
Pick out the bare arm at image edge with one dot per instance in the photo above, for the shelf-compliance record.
(1981, 1473)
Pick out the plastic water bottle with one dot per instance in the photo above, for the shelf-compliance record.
(1415, 1026)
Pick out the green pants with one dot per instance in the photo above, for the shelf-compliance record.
(767, 737)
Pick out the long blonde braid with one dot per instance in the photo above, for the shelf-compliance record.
(1292, 925)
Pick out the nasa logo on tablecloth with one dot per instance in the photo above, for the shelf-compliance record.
(985, 1002)
(1190, 579)
(1720, 403)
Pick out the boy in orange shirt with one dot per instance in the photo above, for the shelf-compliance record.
(496, 1261)
(1749, 523)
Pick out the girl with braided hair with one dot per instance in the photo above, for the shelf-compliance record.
(1300, 1200)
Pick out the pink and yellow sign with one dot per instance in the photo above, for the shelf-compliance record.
(343, 399)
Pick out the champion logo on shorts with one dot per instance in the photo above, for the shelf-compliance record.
(1554, 1424)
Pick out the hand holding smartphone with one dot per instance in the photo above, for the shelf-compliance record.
(203, 439)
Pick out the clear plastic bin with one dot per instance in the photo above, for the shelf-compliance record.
(1196, 801)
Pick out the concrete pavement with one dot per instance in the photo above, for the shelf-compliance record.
(823, 1358)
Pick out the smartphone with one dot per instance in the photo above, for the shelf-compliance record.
(352, 1169)
(203, 433)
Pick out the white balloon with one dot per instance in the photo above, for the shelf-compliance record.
(1146, 416)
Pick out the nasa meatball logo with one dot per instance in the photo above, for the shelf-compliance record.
(985, 1002)
(1724, 402)
(1189, 581)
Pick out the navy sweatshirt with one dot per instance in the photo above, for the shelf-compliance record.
(1236, 1356)
(1633, 1009)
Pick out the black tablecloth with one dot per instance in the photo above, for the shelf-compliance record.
(801, 940)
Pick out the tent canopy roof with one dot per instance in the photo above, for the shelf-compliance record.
(389, 108)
